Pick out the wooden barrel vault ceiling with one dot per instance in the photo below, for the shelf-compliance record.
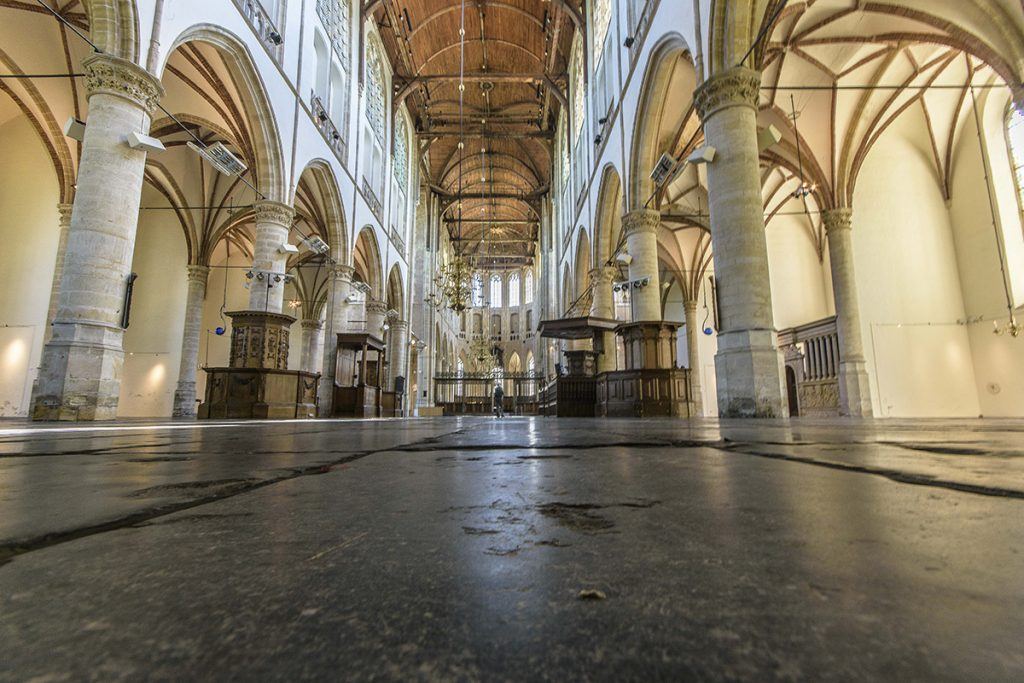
(516, 63)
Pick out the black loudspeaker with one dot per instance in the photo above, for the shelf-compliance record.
(558, 369)
(400, 385)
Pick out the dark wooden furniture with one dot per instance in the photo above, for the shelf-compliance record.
(257, 383)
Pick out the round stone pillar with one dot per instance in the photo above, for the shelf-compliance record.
(64, 225)
(312, 338)
(337, 319)
(603, 306)
(693, 356)
(748, 365)
(641, 230)
(398, 351)
(185, 392)
(266, 288)
(376, 313)
(80, 368)
(854, 387)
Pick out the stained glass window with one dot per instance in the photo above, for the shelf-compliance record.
(375, 93)
(400, 152)
(602, 20)
(335, 15)
(578, 95)
(529, 287)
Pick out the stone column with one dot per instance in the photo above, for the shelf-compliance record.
(854, 387)
(641, 230)
(398, 351)
(376, 313)
(603, 306)
(273, 221)
(692, 338)
(748, 365)
(185, 393)
(80, 369)
(337, 318)
(312, 338)
(58, 267)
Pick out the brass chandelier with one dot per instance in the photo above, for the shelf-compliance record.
(454, 284)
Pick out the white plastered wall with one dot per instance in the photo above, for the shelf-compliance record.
(919, 357)
(998, 360)
(152, 342)
(28, 247)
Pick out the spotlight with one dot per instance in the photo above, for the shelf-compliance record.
(75, 129)
(702, 155)
(145, 143)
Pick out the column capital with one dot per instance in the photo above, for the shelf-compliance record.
(115, 76)
(399, 324)
(64, 211)
(603, 275)
(837, 219)
(268, 211)
(735, 87)
(311, 323)
(690, 305)
(375, 306)
(342, 272)
(197, 273)
(641, 221)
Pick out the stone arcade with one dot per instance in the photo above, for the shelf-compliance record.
(791, 230)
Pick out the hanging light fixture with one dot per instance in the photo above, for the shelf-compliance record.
(454, 282)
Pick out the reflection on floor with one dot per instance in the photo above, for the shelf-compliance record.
(521, 549)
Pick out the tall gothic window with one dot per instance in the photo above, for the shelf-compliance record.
(578, 94)
(495, 291)
(529, 287)
(1015, 136)
(400, 172)
(478, 291)
(602, 20)
(336, 18)
(375, 94)
(513, 290)
(400, 153)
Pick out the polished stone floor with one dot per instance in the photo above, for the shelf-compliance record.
(522, 549)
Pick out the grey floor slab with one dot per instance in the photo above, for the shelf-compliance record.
(458, 549)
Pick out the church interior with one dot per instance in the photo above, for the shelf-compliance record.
(512, 339)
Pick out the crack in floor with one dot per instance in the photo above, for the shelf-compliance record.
(9, 551)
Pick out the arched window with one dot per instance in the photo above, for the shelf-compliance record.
(336, 18)
(1015, 137)
(375, 94)
(529, 287)
(578, 94)
(513, 290)
(495, 291)
(400, 173)
(602, 20)
(478, 291)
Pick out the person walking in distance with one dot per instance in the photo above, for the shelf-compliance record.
(499, 399)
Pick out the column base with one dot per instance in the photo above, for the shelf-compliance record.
(854, 389)
(749, 371)
(80, 376)
(184, 400)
